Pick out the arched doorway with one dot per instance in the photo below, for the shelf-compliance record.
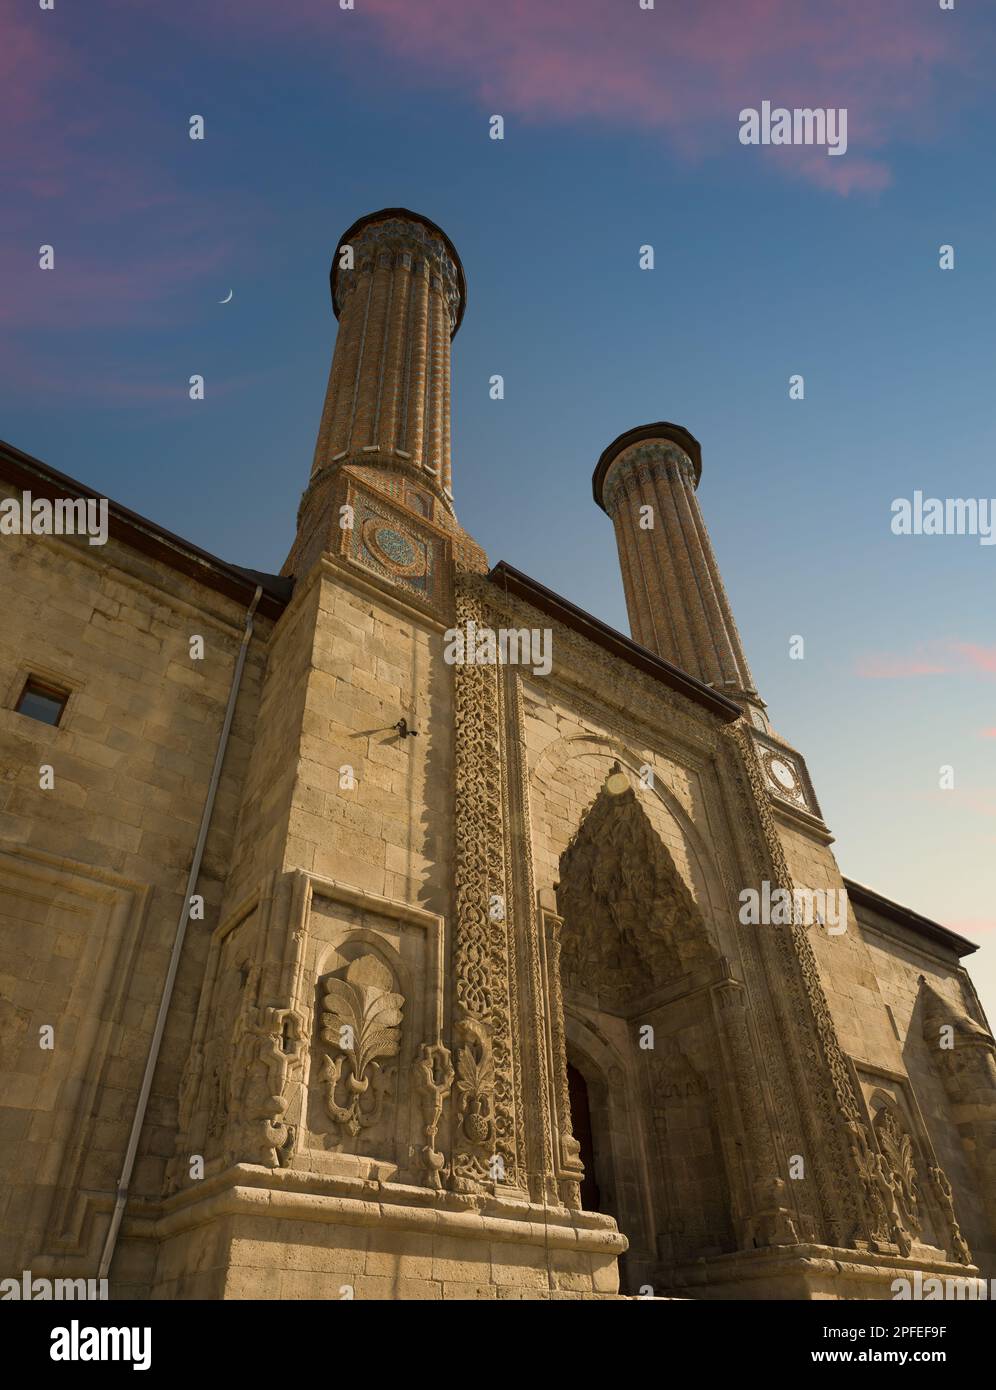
(635, 964)
(581, 1120)
(607, 1133)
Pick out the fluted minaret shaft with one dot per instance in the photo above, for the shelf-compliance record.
(646, 481)
(398, 292)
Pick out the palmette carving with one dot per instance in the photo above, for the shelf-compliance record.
(475, 1080)
(362, 1019)
(881, 1218)
(476, 1164)
(897, 1150)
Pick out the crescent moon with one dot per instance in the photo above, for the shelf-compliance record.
(225, 301)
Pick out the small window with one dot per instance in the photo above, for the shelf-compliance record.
(42, 701)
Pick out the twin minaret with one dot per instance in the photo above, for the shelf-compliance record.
(646, 481)
(399, 293)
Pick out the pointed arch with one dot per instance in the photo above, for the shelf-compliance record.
(718, 897)
(630, 922)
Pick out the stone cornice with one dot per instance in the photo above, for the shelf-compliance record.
(148, 538)
(513, 582)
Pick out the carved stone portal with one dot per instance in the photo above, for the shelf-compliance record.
(632, 938)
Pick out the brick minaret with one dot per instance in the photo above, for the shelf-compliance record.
(399, 293)
(646, 480)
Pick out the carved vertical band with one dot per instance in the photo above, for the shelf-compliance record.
(484, 1141)
(764, 1216)
(845, 1136)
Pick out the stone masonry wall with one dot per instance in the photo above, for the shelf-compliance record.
(92, 871)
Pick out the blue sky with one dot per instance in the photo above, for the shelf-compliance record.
(620, 130)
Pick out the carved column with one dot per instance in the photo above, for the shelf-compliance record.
(568, 1168)
(761, 1199)
(484, 1127)
(538, 1112)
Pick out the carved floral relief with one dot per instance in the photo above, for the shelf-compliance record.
(362, 1021)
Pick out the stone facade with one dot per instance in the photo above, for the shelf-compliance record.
(468, 1008)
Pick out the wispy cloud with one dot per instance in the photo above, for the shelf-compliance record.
(940, 658)
(975, 657)
(86, 291)
(981, 803)
(86, 167)
(90, 166)
(886, 667)
(681, 71)
(973, 926)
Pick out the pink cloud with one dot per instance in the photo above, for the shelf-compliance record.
(33, 66)
(683, 71)
(126, 385)
(896, 667)
(931, 659)
(980, 803)
(134, 247)
(85, 148)
(988, 733)
(975, 657)
(686, 71)
(150, 286)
